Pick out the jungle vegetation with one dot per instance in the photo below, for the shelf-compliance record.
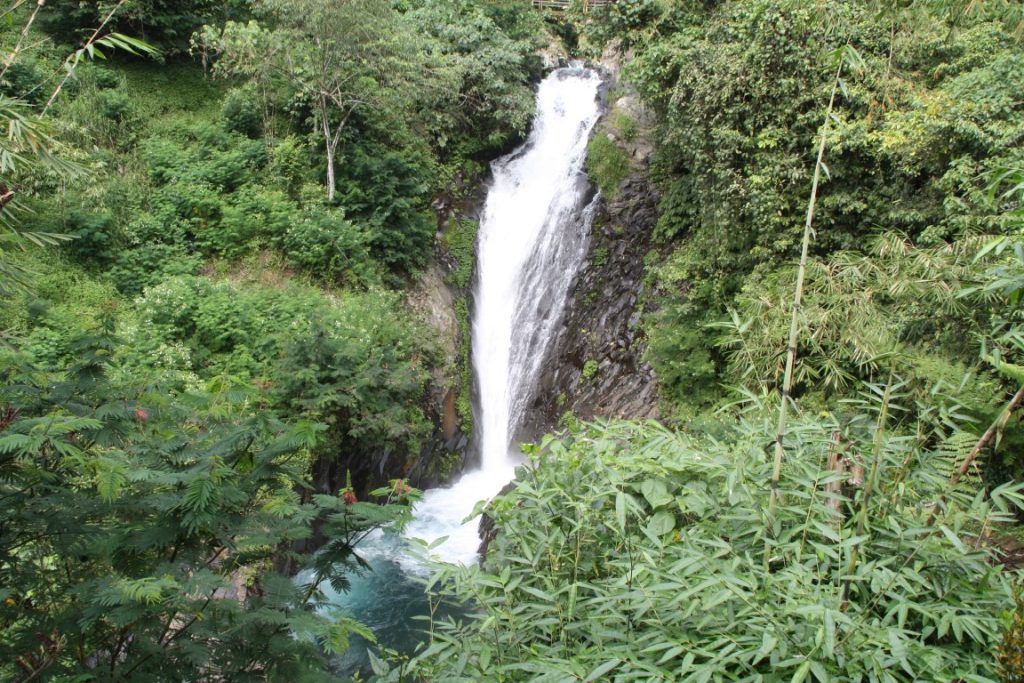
(213, 213)
(832, 311)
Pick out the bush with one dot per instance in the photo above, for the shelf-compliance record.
(253, 212)
(133, 270)
(22, 81)
(289, 165)
(360, 367)
(242, 113)
(630, 552)
(387, 191)
(115, 105)
(206, 154)
(95, 235)
(607, 164)
(329, 247)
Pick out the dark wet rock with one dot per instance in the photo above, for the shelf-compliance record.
(596, 366)
(487, 529)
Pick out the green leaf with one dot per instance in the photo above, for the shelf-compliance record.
(602, 669)
(656, 493)
(620, 511)
(111, 477)
(661, 523)
(485, 657)
(379, 666)
(801, 673)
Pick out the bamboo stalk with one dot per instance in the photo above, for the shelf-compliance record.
(869, 486)
(794, 327)
(71, 70)
(999, 423)
(9, 60)
(836, 465)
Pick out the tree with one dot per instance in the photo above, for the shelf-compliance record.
(331, 56)
(143, 530)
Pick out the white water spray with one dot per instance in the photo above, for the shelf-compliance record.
(532, 238)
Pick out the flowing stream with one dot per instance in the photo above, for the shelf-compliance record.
(533, 236)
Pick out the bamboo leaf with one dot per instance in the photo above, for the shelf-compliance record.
(602, 669)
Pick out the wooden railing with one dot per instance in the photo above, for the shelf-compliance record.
(564, 4)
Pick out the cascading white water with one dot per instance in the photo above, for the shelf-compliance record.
(532, 238)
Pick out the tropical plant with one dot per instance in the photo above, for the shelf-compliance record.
(334, 57)
(184, 505)
(628, 551)
(28, 142)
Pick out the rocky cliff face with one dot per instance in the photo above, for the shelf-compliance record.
(433, 300)
(441, 298)
(596, 367)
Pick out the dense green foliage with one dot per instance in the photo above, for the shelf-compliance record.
(207, 356)
(630, 552)
(143, 527)
(207, 360)
(922, 122)
(166, 23)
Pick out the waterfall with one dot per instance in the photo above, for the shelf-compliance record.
(533, 236)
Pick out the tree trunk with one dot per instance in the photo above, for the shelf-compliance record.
(330, 145)
(330, 173)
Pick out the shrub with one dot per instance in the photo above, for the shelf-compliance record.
(207, 154)
(361, 368)
(199, 207)
(607, 164)
(95, 235)
(135, 269)
(241, 112)
(1011, 651)
(329, 247)
(22, 80)
(630, 552)
(387, 191)
(288, 167)
(115, 105)
(253, 212)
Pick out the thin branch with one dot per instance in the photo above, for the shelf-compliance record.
(9, 60)
(787, 384)
(71, 69)
(982, 442)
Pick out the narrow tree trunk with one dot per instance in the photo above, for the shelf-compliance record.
(331, 183)
(329, 145)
